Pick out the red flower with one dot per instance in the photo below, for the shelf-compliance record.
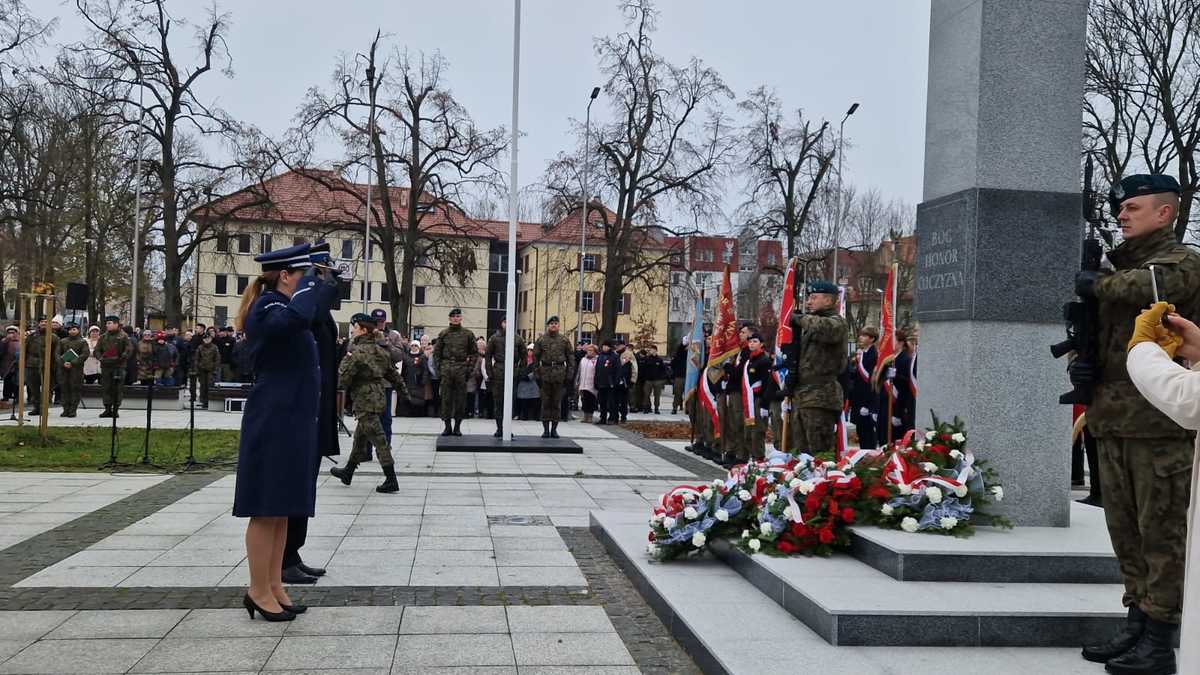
(946, 437)
(940, 449)
(848, 515)
(879, 492)
(799, 529)
(652, 535)
(786, 546)
(826, 536)
(812, 502)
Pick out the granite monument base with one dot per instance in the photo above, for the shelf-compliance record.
(481, 443)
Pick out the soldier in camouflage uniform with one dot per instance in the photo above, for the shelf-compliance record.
(455, 356)
(554, 363)
(35, 352)
(362, 373)
(112, 350)
(205, 362)
(1145, 458)
(498, 383)
(71, 353)
(816, 358)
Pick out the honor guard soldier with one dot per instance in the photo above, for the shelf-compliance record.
(500, 374)
(206, 361)
(758, 390)
(363, 372)
(35, 351)
(859, 392)
(816, 359)
(455, 356)
(731, 416)
(113, 350)
(72, 351)
(554, 363)
(1145, 458)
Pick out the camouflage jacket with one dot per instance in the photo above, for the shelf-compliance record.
(208, 358)
(35, 349)
(362, 373)
(818, 356)
(80, 347)
(147, 359)
(1117, 408)
(553, 359)
(455, 350)
(113, 349)
(493, 355)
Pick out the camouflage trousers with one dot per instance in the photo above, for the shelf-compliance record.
(733, 439)
(813, 431)
(453, 393)
(367, 433)
(112, 383)
(71, 386)
(1147, 489)
(552, 393)
(754, 437)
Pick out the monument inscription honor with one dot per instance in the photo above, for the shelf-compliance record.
(944, 253)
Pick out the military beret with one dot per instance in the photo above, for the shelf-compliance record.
(1138, 185)
(113, 317)
(379, 315)
(553, 319)
(456, 312)
(72, 324)
(362, 318)
(822, 286)
(41, 317)
(292, 257)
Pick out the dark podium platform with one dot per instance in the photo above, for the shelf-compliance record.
(480, 443)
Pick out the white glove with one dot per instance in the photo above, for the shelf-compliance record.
(896, 422)
(891, 373)
(865, 412)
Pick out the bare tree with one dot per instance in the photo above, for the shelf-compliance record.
(663, 152)
(398, 120)
(1142, 108)
(786, 161)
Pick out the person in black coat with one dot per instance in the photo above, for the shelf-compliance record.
(325, 331)
(864, 404)
(278, 447)
(906, 385)
(608, 373)
(679, 373)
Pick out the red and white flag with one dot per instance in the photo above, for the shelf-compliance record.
(723, 345)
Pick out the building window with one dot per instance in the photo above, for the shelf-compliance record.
(589, 301)
(496, 299)
(705, 255)
(418, 295)
(222, 242)
(589, 263)
(243, 243)
(586, 337)
(222, 285)
(676, 278)
(771, 260)
(242, 282)
(417, 332)
(266, 244)
(374, 251)
(842, 273)
(364, 290)
(345, 289)
(624, 303)
(220, 316)
(347, 249)
(385, 293)
(525, 263)
(708, 305)
(498, 262)
(522, 300)
(623, 337)
(727, 255)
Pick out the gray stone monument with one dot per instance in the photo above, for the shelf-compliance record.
(999, 236)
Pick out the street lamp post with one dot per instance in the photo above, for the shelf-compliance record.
(587, 138)
(137, 205)
(370, 159)
(837, 233)
(510, 299)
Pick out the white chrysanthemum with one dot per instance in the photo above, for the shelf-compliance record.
(905, 489)
(668, 522)
(805, 487)
(929, 467)
(698, 539)
(933, 494)
(690, 513)
(745, 534)
(766, 529)
(960, 491)
(959, 438)
(930, 435)
(787, 512)
(948, 523)
(830, 465)
(722, 515)
(997, 493)
(707, 494)
(956, 454)
(909, 524)
(718, 483)
(755, 545)
(887, 509)
(920, 445)
(745, 496)
(771, 498)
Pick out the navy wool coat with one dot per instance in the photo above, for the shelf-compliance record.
(279, 427)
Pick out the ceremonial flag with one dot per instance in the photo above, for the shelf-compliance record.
(783, 334)
(843, 437)
(887, 332)
(723, 345)
(695, 363)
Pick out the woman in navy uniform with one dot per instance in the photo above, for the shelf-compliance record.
(279, 428)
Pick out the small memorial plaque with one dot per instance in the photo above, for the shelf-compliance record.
(944, 258)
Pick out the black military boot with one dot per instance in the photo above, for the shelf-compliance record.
(346, 473)
(554, 430)
(458, 426)
(107, 412)
(499, 428)
(1154, 653)
(448, 431)
(545, 430)
(389, 483)
(1135, 625)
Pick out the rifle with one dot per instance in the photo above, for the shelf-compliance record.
(1082, 315)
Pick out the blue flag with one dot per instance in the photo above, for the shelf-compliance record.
(695, 364)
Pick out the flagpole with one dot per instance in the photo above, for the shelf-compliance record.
(510, 306)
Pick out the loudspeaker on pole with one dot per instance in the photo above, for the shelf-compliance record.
(77, 296)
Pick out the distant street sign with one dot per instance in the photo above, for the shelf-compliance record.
(345, 271)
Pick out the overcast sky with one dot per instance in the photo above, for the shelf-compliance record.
(819, 56)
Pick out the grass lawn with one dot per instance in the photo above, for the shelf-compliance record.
(86, 448)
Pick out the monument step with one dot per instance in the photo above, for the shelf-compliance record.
(848, 603)
(1081, 553)
(488, 443)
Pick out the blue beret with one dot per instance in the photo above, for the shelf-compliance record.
(822, 286)
(292, 257)
(1138, 185)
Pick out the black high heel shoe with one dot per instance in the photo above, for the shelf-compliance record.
(294, 609)
(253, 607)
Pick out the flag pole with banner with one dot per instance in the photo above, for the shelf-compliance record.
(843, 437)
(723, 345)
(695, 362)
(783, 338)
(887, 346)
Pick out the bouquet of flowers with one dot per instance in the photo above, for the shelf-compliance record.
(687, 516)
(937, 485)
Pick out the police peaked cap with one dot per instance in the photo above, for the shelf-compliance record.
(1138, 185)
(822, 286)
(318, 254)
(361, 318)
(292, 257)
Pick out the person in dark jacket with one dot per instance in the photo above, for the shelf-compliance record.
(864, 404)
(678, 372)
(277, 452)
(653, 371)
(608, 373)
(906, 384)
(325, 332)
(416, 380)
